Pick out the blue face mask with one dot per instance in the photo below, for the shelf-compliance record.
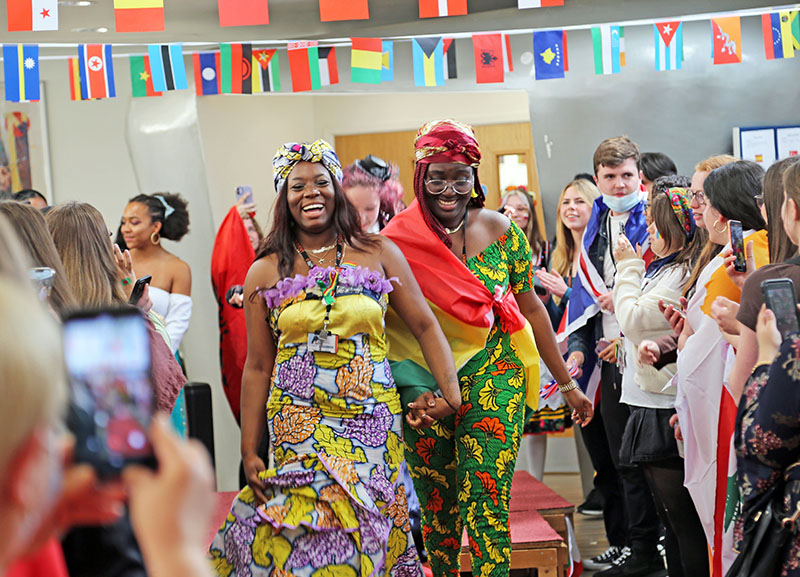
(621, 203)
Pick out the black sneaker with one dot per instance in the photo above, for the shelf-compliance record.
(593, 505)
(605, 560)
(637, 565)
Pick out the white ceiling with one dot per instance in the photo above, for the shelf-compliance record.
(197, 20)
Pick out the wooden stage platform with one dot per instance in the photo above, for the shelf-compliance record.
(538, 528)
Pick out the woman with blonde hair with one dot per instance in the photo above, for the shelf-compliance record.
(519, 205)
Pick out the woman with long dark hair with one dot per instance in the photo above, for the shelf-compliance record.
(316, 358)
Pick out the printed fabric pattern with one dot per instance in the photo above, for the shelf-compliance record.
(463, 465)
(336, 505)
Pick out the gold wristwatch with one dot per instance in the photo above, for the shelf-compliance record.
(567, 387)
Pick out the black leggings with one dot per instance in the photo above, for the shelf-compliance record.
(687, 553)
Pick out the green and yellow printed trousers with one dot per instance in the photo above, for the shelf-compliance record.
(462, 467)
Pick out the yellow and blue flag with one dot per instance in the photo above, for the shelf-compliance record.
(387, 61)
(428, 56)
(550, 54)
(21, 68)
(781, 34)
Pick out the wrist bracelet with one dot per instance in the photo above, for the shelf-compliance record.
(567, 387)
(448, 403)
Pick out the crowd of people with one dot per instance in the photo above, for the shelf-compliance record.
(385, 362)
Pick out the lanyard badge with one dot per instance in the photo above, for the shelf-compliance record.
(323, 341)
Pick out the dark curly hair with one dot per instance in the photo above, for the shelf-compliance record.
(174, 227)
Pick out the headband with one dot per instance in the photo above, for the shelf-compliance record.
(168, 210)
(291, 153)
(447, 141)
(679, 199)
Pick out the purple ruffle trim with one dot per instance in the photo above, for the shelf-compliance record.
(348, 276)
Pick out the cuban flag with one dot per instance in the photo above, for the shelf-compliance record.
(668, 45)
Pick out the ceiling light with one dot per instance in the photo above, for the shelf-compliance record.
(100, 30)
(76, 2)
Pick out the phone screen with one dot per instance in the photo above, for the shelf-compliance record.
(737, 245)
(245, 192)
(780, 298)
(108, 360)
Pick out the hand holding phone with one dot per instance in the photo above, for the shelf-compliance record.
(107, 355)
(737, 245)
(780, 298)
(244, 192)
(138, 289)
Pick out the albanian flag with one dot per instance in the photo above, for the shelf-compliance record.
(230, 260)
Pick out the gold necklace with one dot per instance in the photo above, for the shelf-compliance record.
(323, 249)
(456, 229)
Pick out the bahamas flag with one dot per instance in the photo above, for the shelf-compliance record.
(609, 49)
(707, 410)
(781, 34)
(464, 307)
(21, 72)
(668, 45)
(428, 54)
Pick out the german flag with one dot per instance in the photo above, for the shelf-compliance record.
(139, 15)
(463, 306)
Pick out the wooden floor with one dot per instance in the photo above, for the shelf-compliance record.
(589, 531)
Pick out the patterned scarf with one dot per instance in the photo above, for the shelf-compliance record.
(680, 198)
(291, 153)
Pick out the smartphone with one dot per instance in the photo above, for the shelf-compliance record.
(138, 289)
(43, 277)
(602, 345)
(245, 192)
(108, 362)
(780, 298)
(737, 244)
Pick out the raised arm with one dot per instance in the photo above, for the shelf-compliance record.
(257, 373)
(409, 303)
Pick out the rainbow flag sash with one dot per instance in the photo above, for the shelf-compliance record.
(464, 307)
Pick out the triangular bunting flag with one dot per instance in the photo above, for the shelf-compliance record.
(243, 12)
(489, 52)
(336, 10)
(141, 77)
(428, 64)
(304, 66)
(266, 71)
(668, 40)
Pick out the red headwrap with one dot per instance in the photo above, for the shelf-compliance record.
(445, 141)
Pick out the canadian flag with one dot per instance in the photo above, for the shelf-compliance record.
(32, 15)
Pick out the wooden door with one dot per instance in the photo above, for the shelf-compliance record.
(495, 140)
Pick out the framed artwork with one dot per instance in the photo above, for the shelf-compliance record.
(24, 152)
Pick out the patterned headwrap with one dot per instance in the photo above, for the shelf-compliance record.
(445, 141)
(291, 153)
(679, 199)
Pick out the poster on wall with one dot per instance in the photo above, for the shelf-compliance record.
(24, 155)
(756, 144)
(788, 141)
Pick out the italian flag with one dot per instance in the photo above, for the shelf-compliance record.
(465, 308)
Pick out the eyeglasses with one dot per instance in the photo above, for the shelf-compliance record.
(458, 186)
(699, 196)
(759, 198)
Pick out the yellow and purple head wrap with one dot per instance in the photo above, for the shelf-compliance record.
(680, 199)
(291, 153)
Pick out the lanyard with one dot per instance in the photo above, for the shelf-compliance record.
(328, 285)
(464, 242)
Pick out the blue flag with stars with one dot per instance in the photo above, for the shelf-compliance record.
(549, 54)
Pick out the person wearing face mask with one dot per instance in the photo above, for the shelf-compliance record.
(619, 211)
(648, 442)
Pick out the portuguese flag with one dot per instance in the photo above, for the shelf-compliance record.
(464, 307)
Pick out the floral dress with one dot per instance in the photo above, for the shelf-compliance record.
(767, 438)
(336, 505)
(462, 466)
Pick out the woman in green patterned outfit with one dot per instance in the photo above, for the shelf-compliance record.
(463, 465)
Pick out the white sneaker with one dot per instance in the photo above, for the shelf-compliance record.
(606, 559)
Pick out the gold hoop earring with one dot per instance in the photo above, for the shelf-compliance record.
(157, 239)
(717, 230)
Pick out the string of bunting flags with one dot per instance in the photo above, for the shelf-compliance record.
(241, 69)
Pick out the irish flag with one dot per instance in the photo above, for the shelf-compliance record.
(707, 411)
(464, 307)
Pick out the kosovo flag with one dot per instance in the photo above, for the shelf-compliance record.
(550, 54)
